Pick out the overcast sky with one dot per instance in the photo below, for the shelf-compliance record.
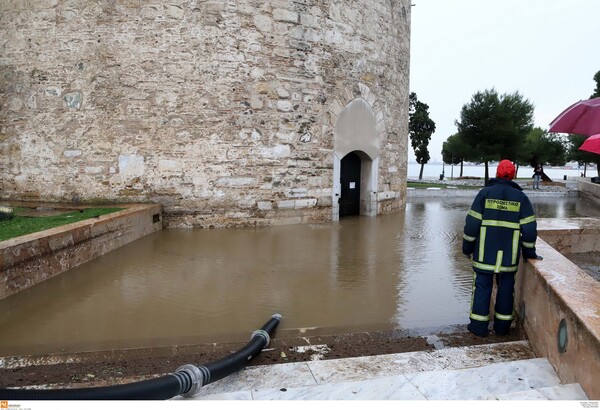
(547, 50)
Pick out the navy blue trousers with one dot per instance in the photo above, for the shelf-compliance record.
(480, 306)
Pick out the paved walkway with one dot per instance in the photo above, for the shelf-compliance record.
(504, 371)
(467, 188)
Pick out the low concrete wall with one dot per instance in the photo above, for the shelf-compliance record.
(554, 289)
(571, 235)
(589, 189)
(31, 259)
(471, 193)
(440, 193)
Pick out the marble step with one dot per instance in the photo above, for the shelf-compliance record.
(532, 379)
(460, 367)
(560, 392)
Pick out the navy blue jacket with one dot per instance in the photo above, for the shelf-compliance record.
(500, 223)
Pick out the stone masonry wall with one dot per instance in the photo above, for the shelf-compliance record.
(221, 111)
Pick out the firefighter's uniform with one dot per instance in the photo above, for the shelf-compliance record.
(499, 224)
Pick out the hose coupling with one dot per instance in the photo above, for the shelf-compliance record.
(262, 333)
(196, 376)
(277, 316)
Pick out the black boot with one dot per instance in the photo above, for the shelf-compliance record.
(477, 332)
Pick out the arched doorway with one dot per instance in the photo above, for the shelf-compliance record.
(355, 161)
(350, 185)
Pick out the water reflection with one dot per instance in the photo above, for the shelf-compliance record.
(564, 207)
(189, 286)
(435, 284)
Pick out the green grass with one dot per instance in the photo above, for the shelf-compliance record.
(23, 225)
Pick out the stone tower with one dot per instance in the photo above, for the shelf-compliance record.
(243, 112)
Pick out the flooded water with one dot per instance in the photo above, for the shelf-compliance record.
(399, 271)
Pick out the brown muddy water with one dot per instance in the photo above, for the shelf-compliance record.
(403, 271)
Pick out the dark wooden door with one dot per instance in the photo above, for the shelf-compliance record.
(350, 181)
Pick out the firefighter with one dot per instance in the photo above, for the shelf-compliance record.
(499, 226)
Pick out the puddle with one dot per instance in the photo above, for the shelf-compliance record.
(176, 287)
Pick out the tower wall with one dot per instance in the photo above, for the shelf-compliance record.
(223, 112)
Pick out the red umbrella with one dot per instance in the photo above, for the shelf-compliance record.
(592, 144)
(582, 118)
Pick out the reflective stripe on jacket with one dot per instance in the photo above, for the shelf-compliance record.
(499, 224)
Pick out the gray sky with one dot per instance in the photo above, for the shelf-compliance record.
(547, 50)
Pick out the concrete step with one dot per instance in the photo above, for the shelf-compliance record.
(501, 371)
(402, 388)
(560, 392)
(532, 379)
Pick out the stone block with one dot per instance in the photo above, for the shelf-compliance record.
(235, 182)
(297, 192)
(309, 20)
(293, 220)
(169, 166)
(285, 16)
(325, 201)
(94, 170)
(131, 165)
(256, 103)
(305, 203)
(73, 100)
(72, 153)
(263, 23)
(265, 205)
(382, 196)
(284, 106)
(173, 11)
(278, 151)
(289, 204)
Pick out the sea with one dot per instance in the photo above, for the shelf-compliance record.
(433, 170)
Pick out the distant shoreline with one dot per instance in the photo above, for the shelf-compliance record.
(478, 171)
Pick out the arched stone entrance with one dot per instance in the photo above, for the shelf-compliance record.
(356, 157)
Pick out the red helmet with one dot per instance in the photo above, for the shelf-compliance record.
(506, 170)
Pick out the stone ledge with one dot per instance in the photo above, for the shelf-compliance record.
(554, 289)
(31, 259)
(589, 189)
(571, 235)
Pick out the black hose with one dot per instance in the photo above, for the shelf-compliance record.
(186, 381)
(161, 388)
(238, 360)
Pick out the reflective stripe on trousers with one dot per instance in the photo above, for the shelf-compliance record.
(480, 302)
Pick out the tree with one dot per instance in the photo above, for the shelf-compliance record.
(597, 90)
(544, 148)
(456, 151)
(541, 147)
(420, 128)
(495, 126)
